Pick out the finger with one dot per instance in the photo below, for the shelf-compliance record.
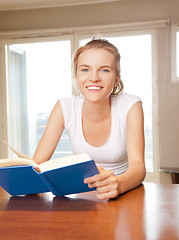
(101, 183)
(110, 182)
(100, 169)
(99, 177)
(90, 179)
(37, 169)
(107, 195)
(108, 187)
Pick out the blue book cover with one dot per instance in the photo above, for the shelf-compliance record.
(63, 180)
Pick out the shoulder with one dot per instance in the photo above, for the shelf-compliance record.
(123, 103)
(125, 98)
(70, 101)
(71, 105)
(70, 108)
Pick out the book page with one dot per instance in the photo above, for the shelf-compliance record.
(64, 161)
(11, 162)
(19, 154)
(24, 160)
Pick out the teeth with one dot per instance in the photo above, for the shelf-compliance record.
(94, 88)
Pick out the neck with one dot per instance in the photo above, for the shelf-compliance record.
(96, 111)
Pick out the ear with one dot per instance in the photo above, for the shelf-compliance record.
(117, 81)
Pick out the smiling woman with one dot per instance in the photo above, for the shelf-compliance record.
(110, 48)
(136, 72)
(108, 127)
(96, 72)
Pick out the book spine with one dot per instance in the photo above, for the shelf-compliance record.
(50, 185)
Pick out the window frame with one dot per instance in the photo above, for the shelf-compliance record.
(173, 55)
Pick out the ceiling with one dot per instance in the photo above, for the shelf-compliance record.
(6, 5)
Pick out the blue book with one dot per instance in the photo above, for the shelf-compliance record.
(61, 176)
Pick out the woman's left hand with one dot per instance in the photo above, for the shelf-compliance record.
(106, 183)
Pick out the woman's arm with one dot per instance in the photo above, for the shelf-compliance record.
(135, 150)
(110, 186)
(51, 135)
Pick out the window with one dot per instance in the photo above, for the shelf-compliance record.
(38, 74)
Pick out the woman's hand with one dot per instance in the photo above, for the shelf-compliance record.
(37, 168)
(106, 183)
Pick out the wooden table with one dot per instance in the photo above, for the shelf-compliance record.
(151, 211)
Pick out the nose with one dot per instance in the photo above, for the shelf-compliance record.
(94, 76)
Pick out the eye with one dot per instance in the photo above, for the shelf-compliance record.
(84, 70)
(104, 70)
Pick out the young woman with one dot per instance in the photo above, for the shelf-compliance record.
(104, 122)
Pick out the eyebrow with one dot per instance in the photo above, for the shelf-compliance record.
(103, 66)
(84, 65)
(106, 66)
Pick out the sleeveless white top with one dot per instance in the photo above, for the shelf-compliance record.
(113, 154)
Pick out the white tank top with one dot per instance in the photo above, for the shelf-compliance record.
(113, 154)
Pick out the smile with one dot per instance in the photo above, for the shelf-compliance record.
(94, 87)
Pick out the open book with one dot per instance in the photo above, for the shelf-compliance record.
(61, 176)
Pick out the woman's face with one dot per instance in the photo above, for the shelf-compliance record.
(96, 74)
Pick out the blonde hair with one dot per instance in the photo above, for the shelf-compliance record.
(104, 44)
